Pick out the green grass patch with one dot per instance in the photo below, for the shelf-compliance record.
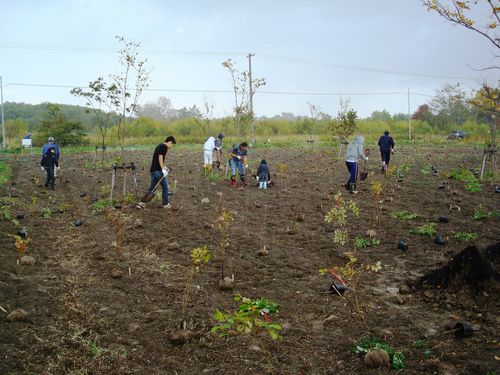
(428, 229)
(5, 173)
(403, 215)
(466, 236)
(363, 242)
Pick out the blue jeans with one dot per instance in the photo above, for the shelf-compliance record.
(237, 165)
(155, 177)
(352, 167)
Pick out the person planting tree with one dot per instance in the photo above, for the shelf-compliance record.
(386, 144)
(218, 150)
(238, 163)
(208, 149)
(159, 172)
(355, 150)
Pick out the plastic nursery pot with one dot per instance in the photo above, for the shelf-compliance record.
(78, 223)
(443, 219)
(337, 289)
(23, 233)
(19, 216)
(439, 240)
(463, 330)
(402, 246)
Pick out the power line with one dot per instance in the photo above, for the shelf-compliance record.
(55, 47)
(267, 92)
(362, 68)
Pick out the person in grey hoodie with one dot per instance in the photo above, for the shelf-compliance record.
(355, 151)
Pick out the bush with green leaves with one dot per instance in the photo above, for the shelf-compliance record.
(396, 357)
(364, 242)
(251, 317)
(403, 215)
(428, 229)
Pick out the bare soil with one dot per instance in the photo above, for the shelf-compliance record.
(93, 310)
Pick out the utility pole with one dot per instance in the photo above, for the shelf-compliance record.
(252, 134)
(3, 120)
(409, 116)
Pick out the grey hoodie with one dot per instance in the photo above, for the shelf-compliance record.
(355, 149)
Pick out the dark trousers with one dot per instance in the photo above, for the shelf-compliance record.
(155, 177)
(386, 156)
(50, 180)
(352, 167)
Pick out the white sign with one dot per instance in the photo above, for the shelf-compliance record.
(26, 142)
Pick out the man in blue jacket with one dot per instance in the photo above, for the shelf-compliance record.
(386, 144)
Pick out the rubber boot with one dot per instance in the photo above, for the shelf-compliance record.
(352, 189)
(244, 181)
(233, 180)
(347, 185)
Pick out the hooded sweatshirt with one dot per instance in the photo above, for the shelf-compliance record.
(355, 150)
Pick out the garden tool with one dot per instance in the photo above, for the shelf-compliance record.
(364, 173)
(149, 195)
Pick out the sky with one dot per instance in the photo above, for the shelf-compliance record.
(372, 52)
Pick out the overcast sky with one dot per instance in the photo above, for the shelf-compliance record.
(315, 46)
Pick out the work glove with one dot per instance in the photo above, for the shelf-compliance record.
(257, 178)
(165, 171)
(246, 165)
(43, 169)
(239, 157)
(392, 151)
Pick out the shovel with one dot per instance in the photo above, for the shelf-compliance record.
(364, 173)
(149, 195)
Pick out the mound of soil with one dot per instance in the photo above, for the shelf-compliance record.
(466, 269)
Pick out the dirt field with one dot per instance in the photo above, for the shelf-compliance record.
(93, 311)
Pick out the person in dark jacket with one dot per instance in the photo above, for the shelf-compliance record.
(49, 163)
(159, 171)
(263, 175)
(386, 144)
(238, 163)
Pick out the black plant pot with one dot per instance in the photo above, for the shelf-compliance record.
(337, 289)
(463, 330)
(443, 219)
(439, 240)
(19, 216)
(402, 246)
(82, 195)
(78, 223)
(23, 233)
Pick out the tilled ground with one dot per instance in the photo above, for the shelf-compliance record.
(93, 310)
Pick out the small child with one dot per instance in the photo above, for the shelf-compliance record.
(48, 163)
(263, 175)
